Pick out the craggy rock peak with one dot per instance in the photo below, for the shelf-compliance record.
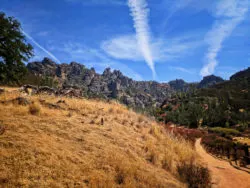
(181, 85)
(110, 84)
(241, 75)
(210, 81)
(207, 81)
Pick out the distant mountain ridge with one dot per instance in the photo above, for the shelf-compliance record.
(109, 84)
(207, 81)
(210, 80)
(241, 74)
(114, 85)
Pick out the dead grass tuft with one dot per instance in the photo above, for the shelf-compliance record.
(35, 109)
(92, 121)
(155, 131)
(140, 119)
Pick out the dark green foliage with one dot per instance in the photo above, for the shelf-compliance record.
(32, 79)
(14, 50)
(223, 105)
(226, 147)
(196, 176)
(224, 131)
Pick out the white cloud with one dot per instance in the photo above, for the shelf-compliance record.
(182, 69)
(139, 12)
(162, 49)
(229, 13)
(123, 47)
(94, 57)
(42, 48)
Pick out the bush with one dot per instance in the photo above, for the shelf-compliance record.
(189, 134)
(196, 176)
(216, 142)
(225, 131)
(35, 109)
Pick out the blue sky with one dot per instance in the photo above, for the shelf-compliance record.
(146, 39)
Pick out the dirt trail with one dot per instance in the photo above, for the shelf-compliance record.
(223, 174)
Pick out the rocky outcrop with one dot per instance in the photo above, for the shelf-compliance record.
(245, 74)
(65, 91)
(181, 85)
(108, 85)
(208, 81)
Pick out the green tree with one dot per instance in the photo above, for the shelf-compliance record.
(14, 50)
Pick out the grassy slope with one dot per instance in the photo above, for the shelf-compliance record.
(60, 148)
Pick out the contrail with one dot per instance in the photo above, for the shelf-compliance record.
(42, 48)
(139, 12)
(229, 14)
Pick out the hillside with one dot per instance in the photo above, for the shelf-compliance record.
(180, 85)
(235, 91)
(226, 103)
(65, 142)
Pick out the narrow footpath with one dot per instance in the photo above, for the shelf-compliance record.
(223, 174)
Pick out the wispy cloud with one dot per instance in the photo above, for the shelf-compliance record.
(42, 33)
(171, 7)
(94, 57)
(176, 6)
(182, 69)
(39, 46)
(229, 13)
(139, 12)
(162, 49)
(98, 2)
(123, 47)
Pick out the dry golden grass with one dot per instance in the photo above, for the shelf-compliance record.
(88, 143)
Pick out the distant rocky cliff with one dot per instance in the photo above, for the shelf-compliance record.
(109, 85)
(113, 84)
(244, 74)
(208, 81)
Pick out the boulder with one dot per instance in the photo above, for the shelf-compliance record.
(20, 101)
(46, 90)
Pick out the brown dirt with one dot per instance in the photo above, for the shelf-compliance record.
(223, 174)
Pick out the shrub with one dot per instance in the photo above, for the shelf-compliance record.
(216, 142)
(225, 131)
(34, 109)
(196, 176)
(189, 134)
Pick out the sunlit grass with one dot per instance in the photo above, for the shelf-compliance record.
(72, 147)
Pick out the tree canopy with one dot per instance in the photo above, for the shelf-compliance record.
(14, 50)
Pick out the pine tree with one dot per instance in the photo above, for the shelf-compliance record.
(14, 50)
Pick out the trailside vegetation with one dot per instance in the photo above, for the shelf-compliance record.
(223, 105)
